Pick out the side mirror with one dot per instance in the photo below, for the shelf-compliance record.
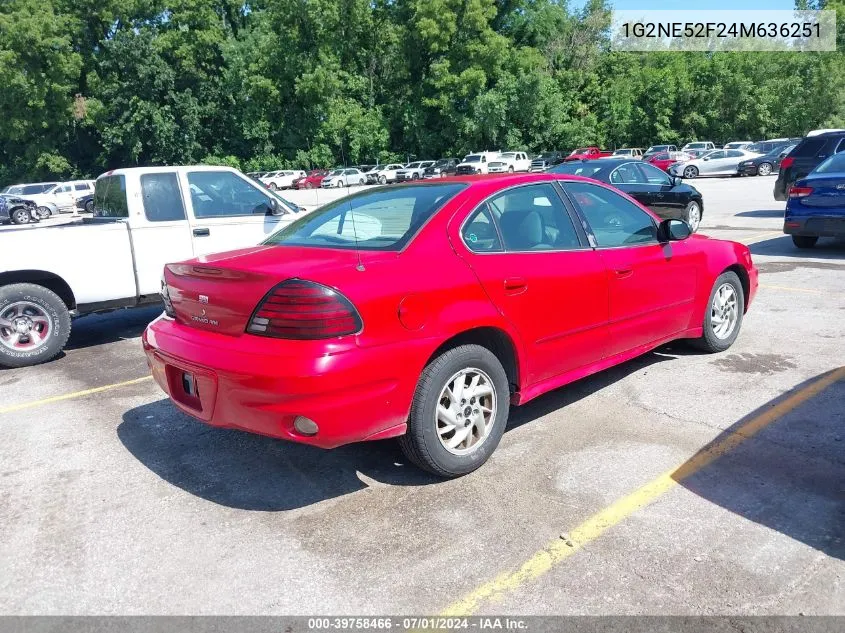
(674, 180)
(673, 231)
(275, 207)
(706, 158)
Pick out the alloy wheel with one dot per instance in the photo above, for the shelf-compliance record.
(466, 411)
(724, 312)
(24, 326)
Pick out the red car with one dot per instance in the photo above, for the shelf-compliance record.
(424, 311)
(663, 161)
(312, 181)
(587, 153)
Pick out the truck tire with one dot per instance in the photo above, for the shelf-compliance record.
(34, 325)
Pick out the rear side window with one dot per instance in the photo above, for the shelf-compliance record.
(533, 218)
(81, 186)
(808, 147)
(110, 197)
(162, 198)
(480, 234)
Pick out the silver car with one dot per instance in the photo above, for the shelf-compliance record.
(719, 162)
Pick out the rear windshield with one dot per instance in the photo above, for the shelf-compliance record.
(378, 220)
(110, 197)
(658, 148)
(834, 164)
(697, 145)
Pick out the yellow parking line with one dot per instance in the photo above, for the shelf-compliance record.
(754, 238)
(75, 394)
(559, 550)
(791, 289)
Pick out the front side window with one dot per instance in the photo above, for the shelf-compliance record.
(734, 153)
(614, 220)
(110, 197)
(626, 175)
(224, 194)
(715, 155)
(533, 218)
(480, 234)
(653, 175)
(162, 197)
(381, 219)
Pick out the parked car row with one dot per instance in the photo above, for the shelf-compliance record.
(50, 198)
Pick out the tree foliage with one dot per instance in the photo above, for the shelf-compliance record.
(87, 85)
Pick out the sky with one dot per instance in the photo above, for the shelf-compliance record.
(685, 4)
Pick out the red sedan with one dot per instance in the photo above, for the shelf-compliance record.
(424, 311)
(312, 181)
(663, 161)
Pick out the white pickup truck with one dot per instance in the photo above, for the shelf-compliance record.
(145, 218)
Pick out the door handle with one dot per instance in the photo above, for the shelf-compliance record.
(659, 195)
(622, 273)
(515, 285)
(202, 232)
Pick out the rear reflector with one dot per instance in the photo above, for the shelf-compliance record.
(297, 309)
(800, 192)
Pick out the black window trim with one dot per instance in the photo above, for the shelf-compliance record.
(583, 240)
(589, 229)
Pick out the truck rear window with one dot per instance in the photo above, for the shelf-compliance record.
(110, 197)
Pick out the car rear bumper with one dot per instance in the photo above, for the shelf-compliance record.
(354, 395)
(815, 225)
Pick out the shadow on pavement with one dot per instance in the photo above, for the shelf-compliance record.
(109, 327)
(252, 472)
(760, 213)
(789, 476)
(827, 248)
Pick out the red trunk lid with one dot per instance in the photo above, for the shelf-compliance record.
(219, 292)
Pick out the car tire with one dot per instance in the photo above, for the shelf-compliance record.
(426, 441)
(690, 172)
(805, 241)
(510, 169)
(764, 169)
(362, 182)
(21, 215)
(44, 309)
(308, 185)
(723, 314)
(382, 180)
(89, 206)
(272, 186)
(692, 215)
(43, 212)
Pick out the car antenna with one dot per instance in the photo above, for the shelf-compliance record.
(360, 266)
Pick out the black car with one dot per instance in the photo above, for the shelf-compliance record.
(811, 151)
(546, 160)
(86, 203)
(766, 147)
(442, 167)
(765, 164)
(665, 195)
(17, 210)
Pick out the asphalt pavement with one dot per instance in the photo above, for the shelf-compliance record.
(678, 483)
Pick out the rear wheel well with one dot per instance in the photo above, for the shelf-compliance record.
(743, 279)
(494, 339)
(43, 278)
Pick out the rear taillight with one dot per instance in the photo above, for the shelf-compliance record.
(297, 309)
(165, 297)
(787, 162)
(800, 192)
